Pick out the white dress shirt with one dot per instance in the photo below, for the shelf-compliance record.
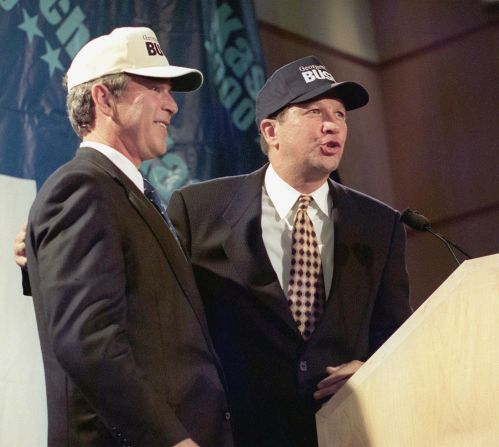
(119, 160)
(279, 205)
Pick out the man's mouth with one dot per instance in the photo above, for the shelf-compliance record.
(330, 148)
(163, 124)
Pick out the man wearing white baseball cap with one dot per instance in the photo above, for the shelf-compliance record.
(127, 355)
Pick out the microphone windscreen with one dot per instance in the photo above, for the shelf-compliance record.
(415, 220)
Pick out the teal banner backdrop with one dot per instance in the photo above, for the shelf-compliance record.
(214, 133)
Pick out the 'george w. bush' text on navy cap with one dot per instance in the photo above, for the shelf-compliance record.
(303, 80)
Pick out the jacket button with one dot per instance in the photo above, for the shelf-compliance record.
(227, 415)
(303, 366)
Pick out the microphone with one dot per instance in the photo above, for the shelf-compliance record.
(418, 222)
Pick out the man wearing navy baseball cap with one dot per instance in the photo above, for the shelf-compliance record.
(302, 278)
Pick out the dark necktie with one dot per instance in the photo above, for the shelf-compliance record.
(153, 196)
(306, 292)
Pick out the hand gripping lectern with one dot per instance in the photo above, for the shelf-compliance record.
(435, 382)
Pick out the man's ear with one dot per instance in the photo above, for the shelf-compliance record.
(268, 130)
(103, 99)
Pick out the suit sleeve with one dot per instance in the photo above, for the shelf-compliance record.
(76, 243)
(392, 306)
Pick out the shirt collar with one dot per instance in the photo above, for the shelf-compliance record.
(123, 163)
(284, 196)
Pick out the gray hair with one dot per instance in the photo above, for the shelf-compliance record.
(81, 107)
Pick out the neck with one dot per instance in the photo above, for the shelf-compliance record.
(303, 184)
(107, 139)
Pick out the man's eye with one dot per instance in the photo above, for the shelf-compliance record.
(315, 111)
(341, 115)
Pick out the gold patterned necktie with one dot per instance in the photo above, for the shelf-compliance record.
(306, 292)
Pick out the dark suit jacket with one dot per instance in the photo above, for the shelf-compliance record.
(127, 354)
(271, 371)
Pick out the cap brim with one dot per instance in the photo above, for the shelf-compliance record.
(352, 95)
(183, 79)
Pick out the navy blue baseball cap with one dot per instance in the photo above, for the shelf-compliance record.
(303, 80)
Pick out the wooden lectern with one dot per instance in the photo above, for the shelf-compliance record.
(435, 382)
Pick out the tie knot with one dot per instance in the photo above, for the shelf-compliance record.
(304, 201)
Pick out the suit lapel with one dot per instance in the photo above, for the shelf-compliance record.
(246, 251)
(179, 265)
(347, 300)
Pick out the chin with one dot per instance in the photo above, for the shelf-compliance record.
(332, 165)
(161, 151)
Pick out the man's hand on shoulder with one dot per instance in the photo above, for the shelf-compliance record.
(337, 376)
(20, 248)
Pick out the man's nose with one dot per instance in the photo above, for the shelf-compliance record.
(169, 104)
(330, 126)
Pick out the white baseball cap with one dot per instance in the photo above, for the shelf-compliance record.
(134, 50)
